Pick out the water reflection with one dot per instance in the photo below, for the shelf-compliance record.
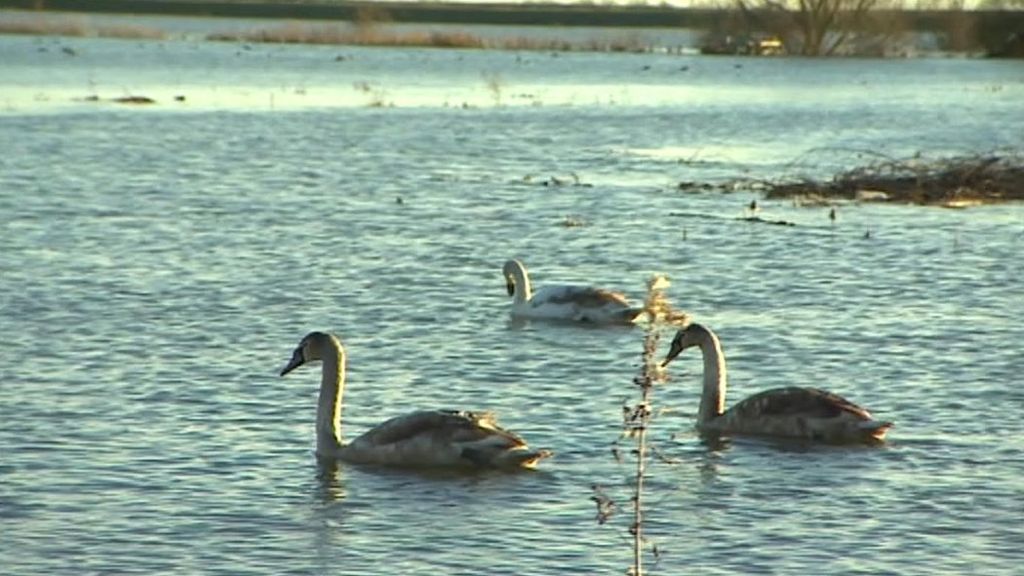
(331, 482)
(330, 487)
(707, 454)
(715, 445)
(516, 323)
(520, 323)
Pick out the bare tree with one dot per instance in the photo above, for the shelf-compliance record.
(1001, 4)
(810, 27)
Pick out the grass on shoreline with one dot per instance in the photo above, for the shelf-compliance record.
(344, 34)
(334, 34)
(78, 27)
(380, 35)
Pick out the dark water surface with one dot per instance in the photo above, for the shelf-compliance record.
(158, 264)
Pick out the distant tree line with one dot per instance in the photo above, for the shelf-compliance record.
(804, 27)
(829, 27)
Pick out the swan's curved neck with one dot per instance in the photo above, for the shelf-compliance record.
(332, 389)
(523, 292)
(712, 399)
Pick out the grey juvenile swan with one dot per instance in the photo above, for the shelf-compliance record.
(565, 302)
(427, 438)
(807, 413)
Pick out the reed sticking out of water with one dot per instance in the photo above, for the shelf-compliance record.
(494, 83)
(637, 419)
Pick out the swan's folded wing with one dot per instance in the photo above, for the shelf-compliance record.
(793, 401)
(447, 426)
(583, 296)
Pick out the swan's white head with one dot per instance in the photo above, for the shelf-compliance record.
(308, 350)
(687, 337)
(511, 268)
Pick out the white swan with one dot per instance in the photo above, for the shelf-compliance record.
(807, 413)
(428, 438)
(565, 302)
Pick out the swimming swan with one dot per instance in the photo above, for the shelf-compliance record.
(565, 302)
(427, 438)
(807, 413)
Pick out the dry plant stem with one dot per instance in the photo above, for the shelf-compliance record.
(637, 419)
(641, 470)
(642, 418)
(658, 311)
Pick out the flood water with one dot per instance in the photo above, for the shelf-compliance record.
(159, 263)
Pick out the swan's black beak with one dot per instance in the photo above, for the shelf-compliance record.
(298, 359)
(510, 286)
(673, 351)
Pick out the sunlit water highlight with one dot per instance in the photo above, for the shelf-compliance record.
(158, 265)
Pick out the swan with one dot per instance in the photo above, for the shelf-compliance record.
(565, 302)
(426, 438)
(807, 413)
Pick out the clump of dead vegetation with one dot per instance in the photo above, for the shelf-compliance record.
(954, 182)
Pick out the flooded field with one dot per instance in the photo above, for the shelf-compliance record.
(160, 262)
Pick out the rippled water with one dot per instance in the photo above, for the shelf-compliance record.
(158, 265)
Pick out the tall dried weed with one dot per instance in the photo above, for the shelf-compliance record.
(637, 419)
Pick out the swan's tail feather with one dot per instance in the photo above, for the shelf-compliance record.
(875, 429)
(524, 458)
(624, 316)
(514, 458)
